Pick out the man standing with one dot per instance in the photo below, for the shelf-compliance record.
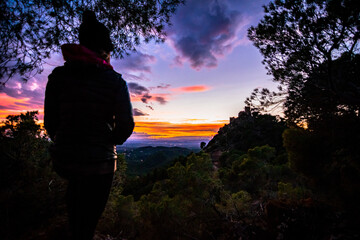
(87, 113)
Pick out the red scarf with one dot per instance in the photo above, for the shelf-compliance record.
(79, 53)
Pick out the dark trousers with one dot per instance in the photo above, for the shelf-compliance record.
(86, 199)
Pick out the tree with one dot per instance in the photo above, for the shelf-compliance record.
(30, 191)
(21, 125)
(303, 43)
(32, 30)
(316, 102)
(311, 48)
(23, 145)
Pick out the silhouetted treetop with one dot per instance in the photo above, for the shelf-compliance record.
(32, 30)
(21, 125)
(296, 36)
(311, 48)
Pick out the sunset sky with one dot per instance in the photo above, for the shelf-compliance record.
(185, 88)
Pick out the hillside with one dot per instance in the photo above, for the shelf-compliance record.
(246, 131)
(259, 189)
(145, 159)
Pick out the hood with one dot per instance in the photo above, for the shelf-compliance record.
(79, 53)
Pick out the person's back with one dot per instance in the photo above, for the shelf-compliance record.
(87, 112)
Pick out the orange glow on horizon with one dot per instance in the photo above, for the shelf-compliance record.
(191, 127)
(170, 130)
(13, 106)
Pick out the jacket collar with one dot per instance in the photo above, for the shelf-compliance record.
(79, 53)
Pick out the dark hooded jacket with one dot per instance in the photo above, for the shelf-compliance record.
(87, 112)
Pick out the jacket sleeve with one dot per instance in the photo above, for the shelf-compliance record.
(124, 121)
(51, 107)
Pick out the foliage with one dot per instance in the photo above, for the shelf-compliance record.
(22, 148)
(185, 199)
(330, 166)
(30, 192)
(118, 217)
(252, 194)
(22, 125)
(311, 48)
(304, 156)
(143, 160)
(296, 37)
(320, 100)
(174, 208)
(263, 100)
(235, 205)
(288, 191)
(256, 172)
(248, 131)
(32, 30)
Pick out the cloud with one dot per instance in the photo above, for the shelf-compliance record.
(33, 91)
(145, 98)
(161, 86)
(196, 88)
(170, 130)
(2, 107)
(138, 112)
(203, 31)
(18, 96)
(137, 88)
(138, 91)
(160, 100)
(136, 62)
(133, 77)
(141, 93)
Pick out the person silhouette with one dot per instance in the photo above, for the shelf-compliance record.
(87, 112)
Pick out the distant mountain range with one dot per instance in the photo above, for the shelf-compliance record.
(192, 142)
(145, 159)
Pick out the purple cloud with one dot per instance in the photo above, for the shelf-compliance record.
(137, 88)
(150, 107)
(138, 91)
(161, 100)
(23, 104)
(202, 31)
(32, 91)
(2, 107)
(145, 98)
(162, 86)
(135, 62)
(138, 112)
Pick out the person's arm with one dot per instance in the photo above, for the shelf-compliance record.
(124, 121)
(51, 108)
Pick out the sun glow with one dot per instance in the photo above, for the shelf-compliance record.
(11, 106)
(170, 130)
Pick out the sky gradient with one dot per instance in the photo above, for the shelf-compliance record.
(184, 89)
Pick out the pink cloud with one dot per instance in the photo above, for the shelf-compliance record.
(195, 88)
